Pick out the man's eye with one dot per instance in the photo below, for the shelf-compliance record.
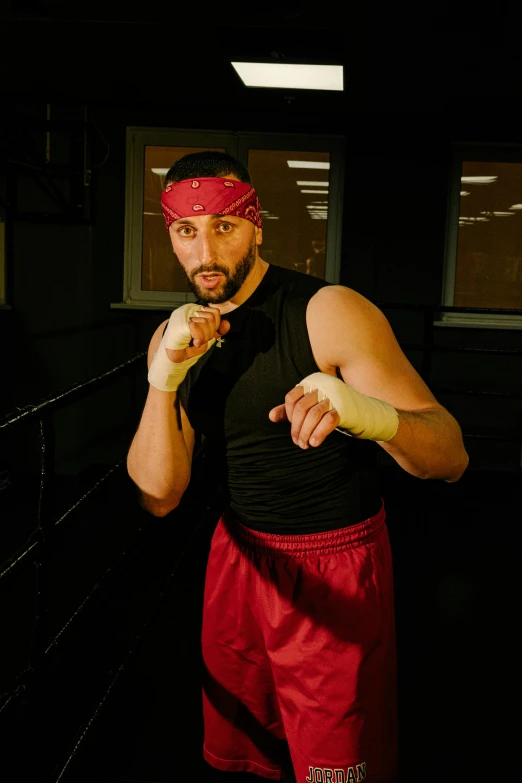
(225, 227)
(185, 231)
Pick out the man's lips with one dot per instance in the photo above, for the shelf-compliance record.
(209, 281)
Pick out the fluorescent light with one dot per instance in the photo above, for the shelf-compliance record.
(307, 164)
(502, 214)
(478, 180)
(516, 206)
(464, 193)
(304, 183)
(314, 191)
(161, 172)
(291, 76)
(271, 217)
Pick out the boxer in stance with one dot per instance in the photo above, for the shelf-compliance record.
(294, 383)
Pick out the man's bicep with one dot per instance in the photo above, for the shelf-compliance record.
(154, 342)
(385, 372)
(188, 432)
(352, 335)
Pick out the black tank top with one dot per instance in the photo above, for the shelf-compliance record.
(268, 482)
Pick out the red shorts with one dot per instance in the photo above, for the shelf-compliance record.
(298, 645)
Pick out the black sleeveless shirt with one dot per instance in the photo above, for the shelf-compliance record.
(268, 482)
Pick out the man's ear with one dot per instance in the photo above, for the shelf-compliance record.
(259, 235)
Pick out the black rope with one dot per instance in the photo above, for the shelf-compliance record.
(459, 349)
(67, 396)
(448, 308)
(135, 644)
(21, 553)
(475, 393)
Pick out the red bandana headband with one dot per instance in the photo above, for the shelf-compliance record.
(210, 196)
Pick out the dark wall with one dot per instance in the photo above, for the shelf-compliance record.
(64, 273)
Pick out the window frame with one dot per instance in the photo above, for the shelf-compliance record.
(478, 151)
(3, 291)
(236, 144)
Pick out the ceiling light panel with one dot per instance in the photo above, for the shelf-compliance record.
(290, 76)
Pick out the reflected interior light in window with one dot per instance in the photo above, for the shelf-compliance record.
(478, 180)
(516, 206)
(314, 191)
(304, 183)
(464, 193)
(161, 172)
(307, 164)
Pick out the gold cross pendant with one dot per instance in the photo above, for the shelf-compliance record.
(220, 341)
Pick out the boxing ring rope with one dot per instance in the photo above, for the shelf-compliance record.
(428, 348)
(38, 542)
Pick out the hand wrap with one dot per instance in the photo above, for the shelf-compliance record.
(164, 374)
(363, 416)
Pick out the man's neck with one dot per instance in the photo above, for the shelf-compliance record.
(257, 273)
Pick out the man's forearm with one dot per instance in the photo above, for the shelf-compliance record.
(428, 444)
(158, 461)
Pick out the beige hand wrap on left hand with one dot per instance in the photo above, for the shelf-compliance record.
(365, 417)
(164, 374)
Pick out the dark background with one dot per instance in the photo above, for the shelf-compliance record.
(416, 83)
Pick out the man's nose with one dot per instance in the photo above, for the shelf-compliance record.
(207, 250)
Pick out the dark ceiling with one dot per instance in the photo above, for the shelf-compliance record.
(398, 60)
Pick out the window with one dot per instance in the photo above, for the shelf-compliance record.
(299, 183)
(484, 240)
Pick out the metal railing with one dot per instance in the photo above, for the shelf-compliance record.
(38, 542)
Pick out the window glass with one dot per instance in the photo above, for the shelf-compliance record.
(488, 270)
(292, 187)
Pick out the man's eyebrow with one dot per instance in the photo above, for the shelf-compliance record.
(188, 221)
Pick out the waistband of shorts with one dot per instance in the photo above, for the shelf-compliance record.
(327, 542)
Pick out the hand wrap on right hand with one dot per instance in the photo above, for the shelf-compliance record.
(363, 416)
(164, 374)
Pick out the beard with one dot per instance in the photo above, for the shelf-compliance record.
(233, 279)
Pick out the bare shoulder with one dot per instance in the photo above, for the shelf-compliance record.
(155, 341)
(351, 334)
(338, 313)
(333, 301)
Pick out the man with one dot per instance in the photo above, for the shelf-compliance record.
(314, 264)
(290, 388)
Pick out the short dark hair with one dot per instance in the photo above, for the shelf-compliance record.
(208, 163)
